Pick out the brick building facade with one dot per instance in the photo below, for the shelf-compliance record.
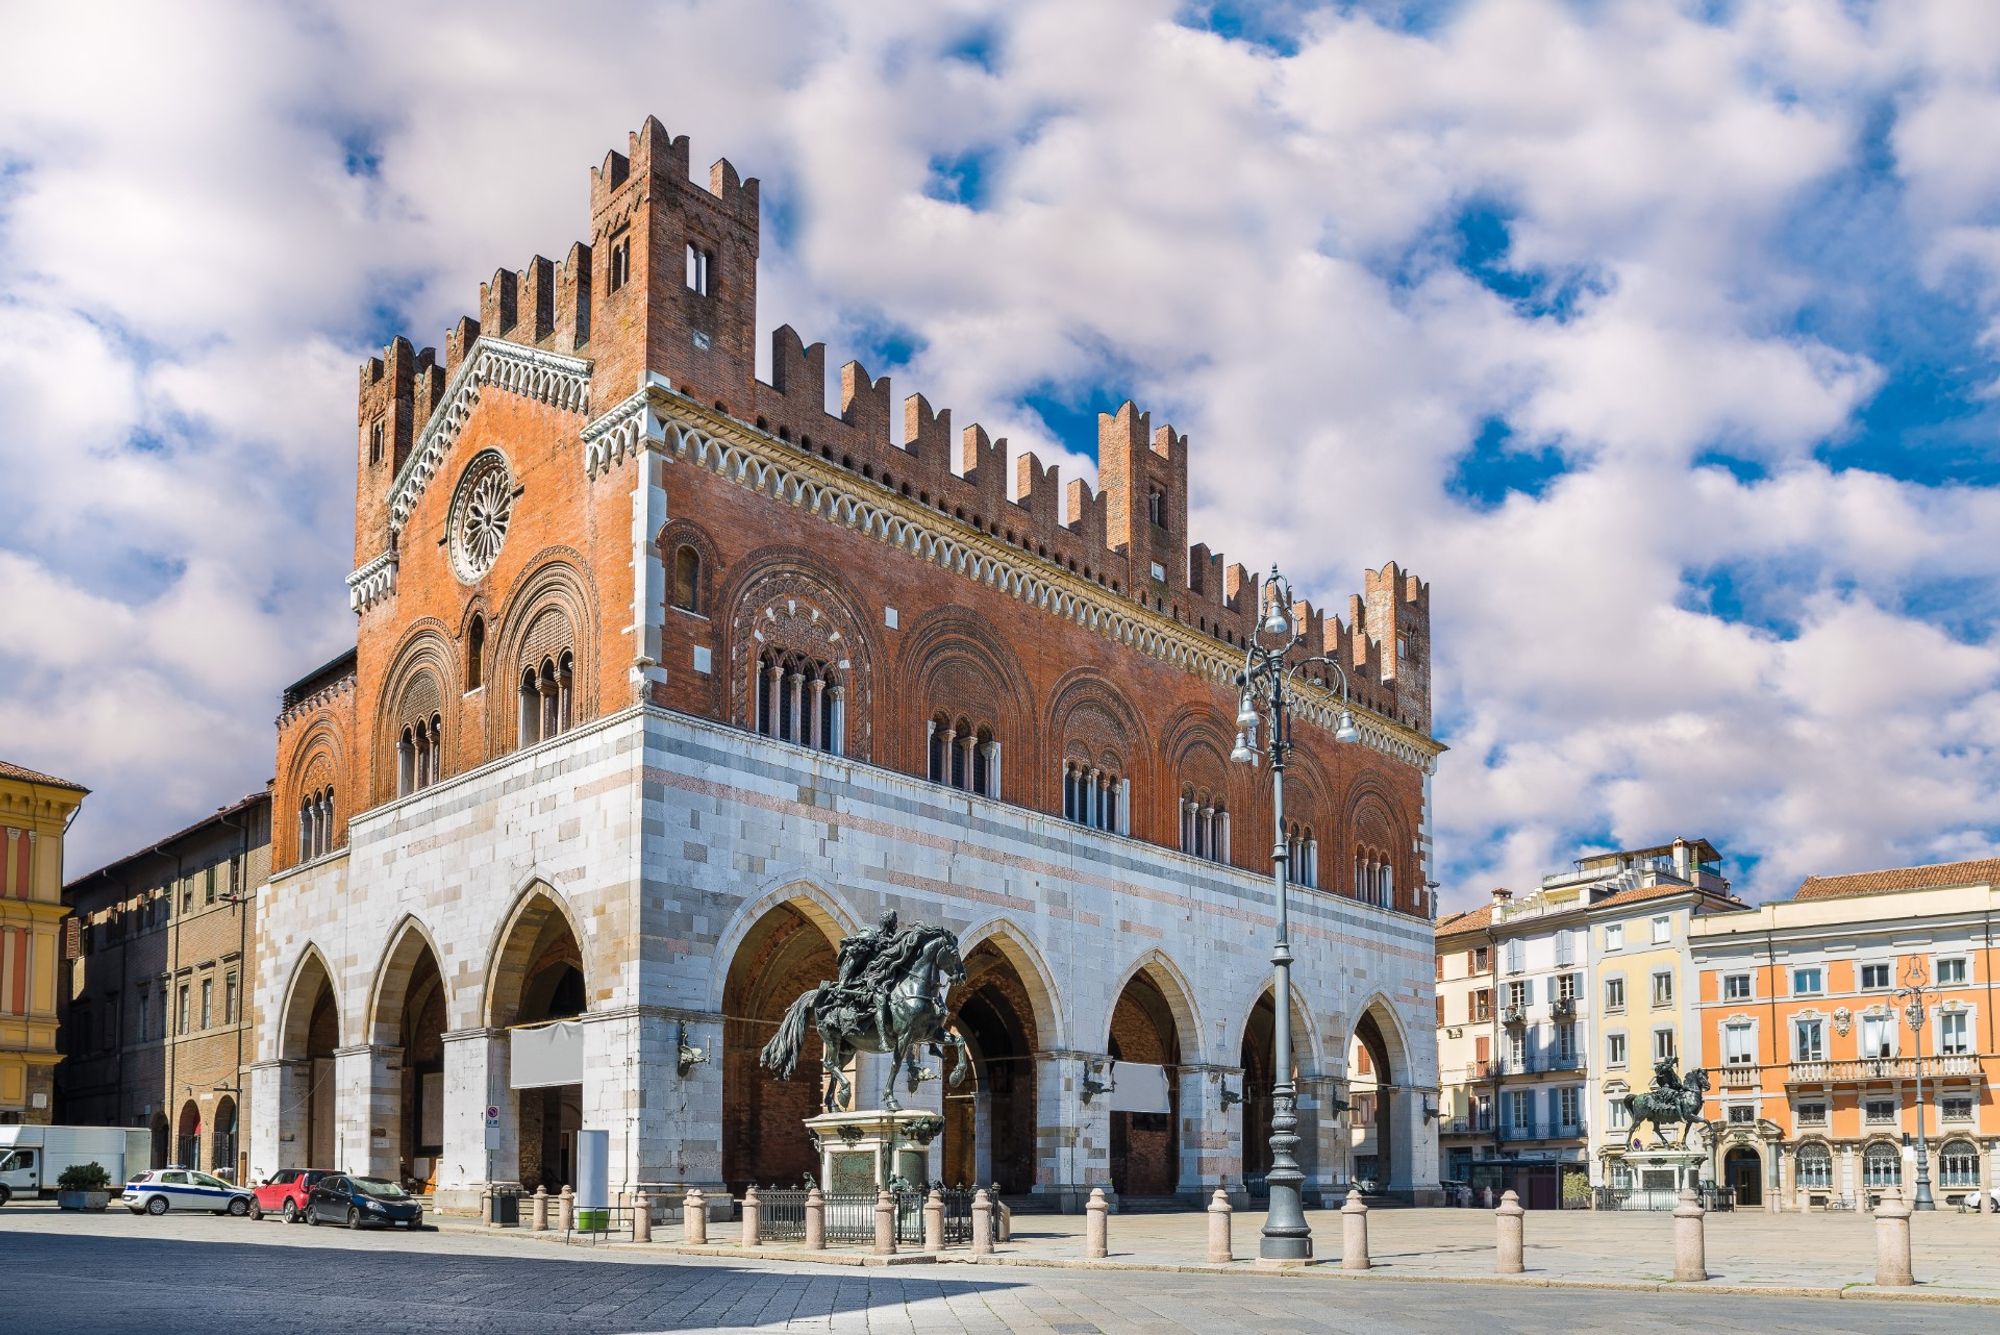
(156, 1030)
(665, 678)
(35, 813)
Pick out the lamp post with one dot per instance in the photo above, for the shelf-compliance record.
(1912, 994)
(1266, 679)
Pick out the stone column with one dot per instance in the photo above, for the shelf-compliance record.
(475, 1078)
(1209, 1149)
(270, 1092)
(367, 1109)
(673, 1117)
(813, 712)
(1072, 1137)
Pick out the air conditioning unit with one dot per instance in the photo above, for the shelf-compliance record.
(1454, 1032)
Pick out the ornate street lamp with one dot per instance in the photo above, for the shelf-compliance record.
(1266, 679)
(1912, 994)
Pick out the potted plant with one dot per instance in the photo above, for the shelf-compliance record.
(83, 1186)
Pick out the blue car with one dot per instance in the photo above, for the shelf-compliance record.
(184, 1189)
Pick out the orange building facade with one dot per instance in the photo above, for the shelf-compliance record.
(1822, 1083)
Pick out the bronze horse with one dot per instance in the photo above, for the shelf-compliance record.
(1664, 1104)
(913, 1007)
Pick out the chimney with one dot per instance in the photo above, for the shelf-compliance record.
(1683, 862)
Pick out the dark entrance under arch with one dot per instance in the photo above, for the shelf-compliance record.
(1145, 1146)
(539, 979)
(989, 1124)
(1743, 1172)
(764, 1139)
(1258, 1033)
(1371, 1090)
(420, 1109)
(187, 1148)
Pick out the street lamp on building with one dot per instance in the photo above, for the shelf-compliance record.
(1267, 679)
(1912, 995)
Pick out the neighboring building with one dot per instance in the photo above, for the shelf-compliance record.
(1819, 1070)
(1537, 1014)
(35, 813)
(665, 679)
(156, 1029)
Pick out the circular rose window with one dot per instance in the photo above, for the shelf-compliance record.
(479, 514)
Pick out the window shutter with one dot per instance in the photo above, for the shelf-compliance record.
(1528, 992)
(72, 939)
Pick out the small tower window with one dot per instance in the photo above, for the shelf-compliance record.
(475, 653)
(375, 441)
(687, 579)
(700, 270)
(621, 262)
(1156, 506)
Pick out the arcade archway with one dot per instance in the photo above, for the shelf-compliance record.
(187, 1147)
(538, 978)
(1256, 1054)
(1371, 1095)
(764, 1139)
(989, 1124)
(1145, 1094)
(310, 1033)
(409, 1016)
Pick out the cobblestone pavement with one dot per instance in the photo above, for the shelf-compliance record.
(67, 1272)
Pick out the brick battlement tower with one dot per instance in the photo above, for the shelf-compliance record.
(665, 676)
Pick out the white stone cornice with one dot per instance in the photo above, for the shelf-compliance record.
(371, 582)
(790, 477)
(546, 377)
(300, 708)
(630, 426)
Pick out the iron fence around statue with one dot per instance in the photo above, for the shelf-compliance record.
(850, 1216)
(781, 1215)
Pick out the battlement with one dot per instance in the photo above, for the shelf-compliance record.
(666, 284)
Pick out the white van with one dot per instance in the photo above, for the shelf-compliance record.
(33, 1157)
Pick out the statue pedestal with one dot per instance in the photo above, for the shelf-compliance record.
(1660, 1174)
(862, 1151)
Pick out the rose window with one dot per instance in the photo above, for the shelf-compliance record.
(479, 515)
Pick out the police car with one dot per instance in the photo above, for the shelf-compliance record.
(184, 1189)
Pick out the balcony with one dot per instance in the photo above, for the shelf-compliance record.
(1564, 1008)
(1546, 1131)
(1465, 1126)
(1874, 1070)
(1514, 1016)
(1739, 1077)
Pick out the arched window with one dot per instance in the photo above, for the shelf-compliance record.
(799, 699)
(475, 653)
(687, 578)
(1156, 506)
(1815, 1167)
(1882, 1166)
(962, 754)
(1374, 880)
(531, 708)
(315, 824)
(406, 763)
(1302, 854)
(1096, 796)
(1958, 1165)
(1204, 825)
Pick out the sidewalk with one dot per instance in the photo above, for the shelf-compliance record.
(1957, 1257)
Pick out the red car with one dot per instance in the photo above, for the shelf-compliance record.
(285, 1194)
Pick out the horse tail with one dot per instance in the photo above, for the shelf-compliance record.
(781, 1054)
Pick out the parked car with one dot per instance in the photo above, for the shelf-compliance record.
(360, 1202)
(185, 1189)
(286, 1191)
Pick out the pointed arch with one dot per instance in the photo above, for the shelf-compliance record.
(1308, 1051)
(536, 907)
(295, 1026)
(388, 990)
(1019, 950)
(1395, 1041)
(824, 908)
(1178, 993)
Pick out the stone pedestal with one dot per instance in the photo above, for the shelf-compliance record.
(864, 1151)
(1661, 1174)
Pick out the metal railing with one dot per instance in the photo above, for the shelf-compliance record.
(1712, 1198)
(850, 1216)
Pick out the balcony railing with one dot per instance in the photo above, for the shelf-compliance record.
(1563, 1007)
(1868, 1070)
(1545, 1131)
(1466, 1126)
(1514, 1015)
(1739, 1077)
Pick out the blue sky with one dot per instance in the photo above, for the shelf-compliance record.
(1662, 339)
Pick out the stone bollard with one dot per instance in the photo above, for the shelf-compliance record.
(567, 1208)
(982, 1223)
(815, 1221)
(1690, 1244)
(642, 1218)
(486, 1206)
(541, 1214)
(1096, 1233)
(885, 1223)
(1003, 1218)
(934, 1222)
(753, 1217)
(1219, 1212)
(1892, 1241)
(694, 1218)
(1354, 1233)
(1508, 1219)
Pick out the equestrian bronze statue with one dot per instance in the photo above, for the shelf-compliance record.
(1671, 1099)
(888, 996)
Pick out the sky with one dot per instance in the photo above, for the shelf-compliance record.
(1662, 339)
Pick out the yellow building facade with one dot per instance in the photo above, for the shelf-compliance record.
(35, 813)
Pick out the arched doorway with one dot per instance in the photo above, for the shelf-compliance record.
(1743, 1172)
(989, 1125)
(1258, 1034)
(161, 1145)
(788, 951)
(187, 1147)
(537, 979)
(1371, 1087)
(311, 1033)
(410, 1018)
(222, 1140)
(1145, 1095)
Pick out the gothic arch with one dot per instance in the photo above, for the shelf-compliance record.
(537, 906)
(552, 608)
(1372, 832)
(1394, 1041)
(318, 765)
(819, 906)
(301, 993)
(421, 685)
(1308, 1052)
(952, 660)
(1019, 950)
(1090, 720)
(788, 599)
(386, 993)
(1179, 995)
(1194, 752)
(678, 533)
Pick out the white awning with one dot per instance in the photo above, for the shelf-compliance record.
(546, 1054)
(1139, 1088)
